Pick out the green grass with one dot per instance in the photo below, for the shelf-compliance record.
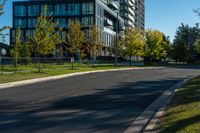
(183, 115)
(17, 74)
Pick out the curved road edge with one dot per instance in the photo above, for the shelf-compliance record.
(49, 78)
(147, 121)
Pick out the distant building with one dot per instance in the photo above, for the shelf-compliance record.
(140, 14)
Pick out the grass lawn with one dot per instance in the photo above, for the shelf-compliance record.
(30, 72)
(183, 115)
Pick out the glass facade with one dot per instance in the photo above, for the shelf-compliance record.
(20, 23)
(87, 8)
(88, 13)
(61, 22)
(73, 9)
(60, 9)
(49, 11)
(33, 10)
(30, 33)
(20, 10)
(32, 22)
(73, 20)
(87, 21)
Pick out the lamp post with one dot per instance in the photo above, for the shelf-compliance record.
(117, 30)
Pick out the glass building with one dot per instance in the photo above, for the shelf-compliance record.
(110, 16)
(103, 13)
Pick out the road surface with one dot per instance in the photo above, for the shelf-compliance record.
(93, 103)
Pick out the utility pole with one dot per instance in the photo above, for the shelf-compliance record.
(117, 30)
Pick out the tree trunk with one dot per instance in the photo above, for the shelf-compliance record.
(39, 63)
(72, 61)
(130, 63)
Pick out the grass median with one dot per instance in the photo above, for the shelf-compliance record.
(183, 115)
(10, 74)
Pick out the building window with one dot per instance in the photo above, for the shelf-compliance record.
(33, 10)
(14, 36)
(60, 9)
(32, 22)
(73, 9)
(99, 11)
(62, 35)
(87, 8)
(20, 10)
(49, 10)
(87, 21)
(30, 33)
(61, 22)
(20, 23)
(70, 20)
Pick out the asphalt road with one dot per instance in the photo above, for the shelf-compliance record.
(93, 103)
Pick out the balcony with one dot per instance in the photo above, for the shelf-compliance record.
(131, 11)
(129, 17)
(108, 22)
(129, 23)
(113, 5)
(130, 3)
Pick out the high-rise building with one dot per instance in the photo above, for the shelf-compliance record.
(140, 14)
(102, 13)
(110, 16)
(127, 12)
(132, 11)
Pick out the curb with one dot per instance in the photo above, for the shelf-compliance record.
(147, 121)
(38, 80)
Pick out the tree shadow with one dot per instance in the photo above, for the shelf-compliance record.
(106, 110)
(181, 124)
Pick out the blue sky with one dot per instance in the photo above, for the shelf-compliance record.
(164, 15)
(167, 15)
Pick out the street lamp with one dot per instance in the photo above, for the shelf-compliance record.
(117, 30)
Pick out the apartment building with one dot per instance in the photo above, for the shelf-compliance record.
(132, 11)
(103, 13)
(110, 16)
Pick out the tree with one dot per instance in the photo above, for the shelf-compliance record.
(119, 49)
(46, 36)
(188, 36)
(155, 46)
(25, 53)
(167, 47)
(197, 49)
(197, 46)
(15, 50)
(94, 44)
(75, 39)
(180, 52)
(2, 3)
(134, 43)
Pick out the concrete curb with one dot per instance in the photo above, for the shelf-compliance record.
(148, 120)
(37, 80)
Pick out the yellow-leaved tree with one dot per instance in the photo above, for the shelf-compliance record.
(46, 36)
(75, 39)
(156, 46)
(134, 43)
(94, 45)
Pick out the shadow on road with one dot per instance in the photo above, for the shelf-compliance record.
(107, 110)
